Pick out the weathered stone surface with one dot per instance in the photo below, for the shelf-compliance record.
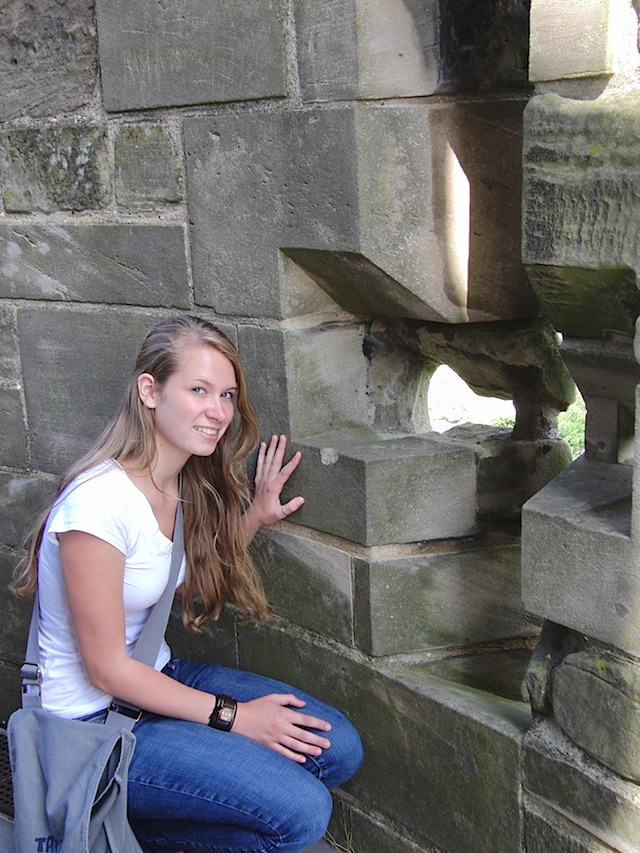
(381, 491)
(9, 353)
(13, 639)
(212, 644)
(517, 361)
(293, 378)
(446, 597)
(547, 831)
(125, 264)
(511, 471)
(350, 826)
(47, 57)
(589, 795)
(362, 49)
(60, 167)
(154, 55)
(309, 583)
(589, 688)
(379, 227)
(147, 169)
(576, 535)
(580, 38)
(22, 499)
(581, 208)
(75, 374)
(426, 742)
(607, 374)
(13, 438)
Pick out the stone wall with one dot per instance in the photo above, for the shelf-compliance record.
(339, 186)
(581, 225)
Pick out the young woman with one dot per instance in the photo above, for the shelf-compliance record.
(100, 559)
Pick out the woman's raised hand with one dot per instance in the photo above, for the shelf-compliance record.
(271, 477)
(272, 721)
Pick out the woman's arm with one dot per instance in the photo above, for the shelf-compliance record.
(270, 480)
(93, 573)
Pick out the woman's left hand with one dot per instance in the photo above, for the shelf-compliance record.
(271, 477)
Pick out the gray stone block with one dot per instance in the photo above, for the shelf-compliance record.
(363, 49)
(147, 169)
(577, 788)
(214, 643)
(576, 535)
(578, 39)
(349, 196)
(76, 367)
(47, 57)
(153, 55)
(308, 582)
(580, 205)
(117, 264)
(309, 381)
(449, 597)
(511, 471)
(547, 831)
(381, 491)
(60, 167)
(352, 829)
(10, 367)
(589, 688)
(13, 437)
(360, 49)
(22, 499)
(427, 742)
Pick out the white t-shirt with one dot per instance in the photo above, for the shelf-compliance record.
(105, 503)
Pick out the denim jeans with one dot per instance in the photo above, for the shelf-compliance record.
(192, 787)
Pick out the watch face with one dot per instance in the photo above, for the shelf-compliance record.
(226, 715)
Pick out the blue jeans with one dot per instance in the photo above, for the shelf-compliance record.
(192, 787)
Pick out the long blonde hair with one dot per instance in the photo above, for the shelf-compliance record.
(215, 489)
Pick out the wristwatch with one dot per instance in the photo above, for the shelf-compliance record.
(224, 712)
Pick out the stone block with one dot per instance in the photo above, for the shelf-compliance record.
(580, 205)
(381, 491)
(363, 49)
(13, 438)
(352, 829)
(203, 52)
(47, 57)
(579, 789)
(76, 368)
(147, 169)
(607, 374)
(576, 536)
(308, 582)
(427, 742)
(10, 367)
(214, 643)
(309, 381)
(590, 688)
(22, 499)
(14, 626)
(511, 471)
(576, 39)
(349, 196)
(446, 597)
(547, 831)
(59, 167)
(117, 264)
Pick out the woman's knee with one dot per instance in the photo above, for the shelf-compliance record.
(304, 820)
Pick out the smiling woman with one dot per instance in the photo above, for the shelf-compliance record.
(224, 759)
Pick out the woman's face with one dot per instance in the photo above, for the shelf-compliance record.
(195, 406)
